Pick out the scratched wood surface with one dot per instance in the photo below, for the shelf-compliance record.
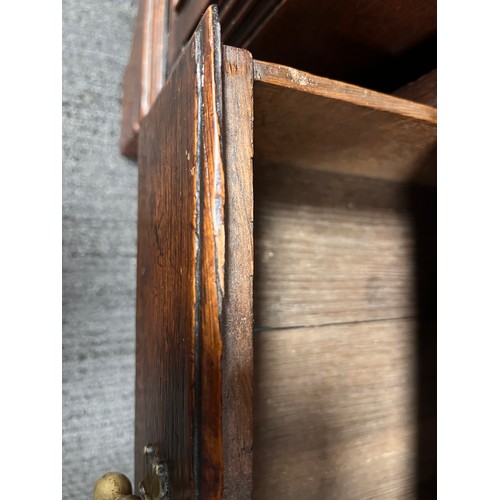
(166, 274)
(376, 43)
(238, 308)
(180, 272)
(194, 307)
(339, 262)
(380, 45)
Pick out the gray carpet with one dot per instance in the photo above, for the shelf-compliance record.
(99, 238)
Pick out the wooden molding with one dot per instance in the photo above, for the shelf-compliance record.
(145, 73)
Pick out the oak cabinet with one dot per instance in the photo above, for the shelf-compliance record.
(286, 323)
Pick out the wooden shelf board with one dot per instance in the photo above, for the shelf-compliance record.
(314, 122)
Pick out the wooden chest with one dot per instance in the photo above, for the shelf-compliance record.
(286, 322)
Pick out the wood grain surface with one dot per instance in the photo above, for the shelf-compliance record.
(166, 277)
(180, 272)
(374, 43)
(330, 248)
(343, 394)
(211, 258)
(238, 307)
(335, 412)
(344, 305)
(380, 45)
(194, 308)
(317, 123)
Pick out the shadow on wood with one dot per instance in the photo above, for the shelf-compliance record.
(344, 337)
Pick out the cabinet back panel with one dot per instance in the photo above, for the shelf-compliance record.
(336, 412)
(378, 43)
(330, 248)
(344, 341)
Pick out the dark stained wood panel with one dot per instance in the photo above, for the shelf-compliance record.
(316, 123)
(194, 299)
(239, 18)
(332, 248)
(180, 281)
(336, 412)
(166, 277)
(238, 308)
(342, 39)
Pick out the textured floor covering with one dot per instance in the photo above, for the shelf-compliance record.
(99, 237)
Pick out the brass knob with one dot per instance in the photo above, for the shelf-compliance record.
(114, 486)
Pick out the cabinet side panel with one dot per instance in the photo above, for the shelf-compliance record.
(166, 276)
(238, 308)
(180, 275)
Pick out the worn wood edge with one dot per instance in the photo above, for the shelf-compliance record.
(423, 90)
(335, 131)
(209, 244)
(284, 76)
(208, 53)
(237, 363)
(145, 73)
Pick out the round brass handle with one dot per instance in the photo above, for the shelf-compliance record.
(114, 486)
